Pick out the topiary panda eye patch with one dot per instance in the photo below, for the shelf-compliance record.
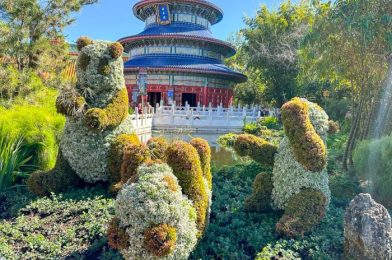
(103, 67)
(84, 60)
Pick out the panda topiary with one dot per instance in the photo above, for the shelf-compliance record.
(97, 113)
(299, 180)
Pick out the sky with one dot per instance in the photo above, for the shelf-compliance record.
(113, 19)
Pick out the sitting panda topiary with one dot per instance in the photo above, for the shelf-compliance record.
(97, 117)
(299, 180)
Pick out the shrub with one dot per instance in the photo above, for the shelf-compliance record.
(270, 122)
(227, 140)
(204, 151)
(185, 162)
(258, 149)
(260, 199)
(157, 147)
(343, 187)
(13, 158)
(309, 149)
(372, 161)
(151, 208)
(304, 210)
(277, 252)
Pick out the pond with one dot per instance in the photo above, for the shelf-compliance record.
(220, 156)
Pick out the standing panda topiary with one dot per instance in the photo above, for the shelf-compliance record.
(97, 119)
(299, 180)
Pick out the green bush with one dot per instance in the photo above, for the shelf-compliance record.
(372, 161)
(227, 140)
(260, 199)
(13, 157)
(37, 121)
(344, 187)
(277, 252)
(270, 122)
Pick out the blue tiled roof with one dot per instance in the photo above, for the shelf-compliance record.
(177, 28)
(182, 62)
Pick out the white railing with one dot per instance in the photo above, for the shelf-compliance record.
(142, 123)
(207, 119)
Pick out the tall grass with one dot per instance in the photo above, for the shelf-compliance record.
(14, 157)
(36, 119)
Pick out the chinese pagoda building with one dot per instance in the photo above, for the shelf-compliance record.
(176, 58)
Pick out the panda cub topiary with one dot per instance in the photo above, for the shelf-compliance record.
(97, 114)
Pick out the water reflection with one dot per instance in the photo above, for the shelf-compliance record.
(220, 156)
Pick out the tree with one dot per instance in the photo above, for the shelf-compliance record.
(272, 43)
(252, 91)
(31, 31)
(350, 43)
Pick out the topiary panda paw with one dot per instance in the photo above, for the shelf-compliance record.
(95, 119)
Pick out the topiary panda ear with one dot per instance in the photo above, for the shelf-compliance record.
(116, 50)
(83, 41)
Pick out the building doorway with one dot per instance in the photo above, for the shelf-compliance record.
(154, 98)
(190, 98)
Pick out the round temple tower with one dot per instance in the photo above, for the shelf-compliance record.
(176, 57)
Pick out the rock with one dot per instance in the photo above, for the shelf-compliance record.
(367, 230)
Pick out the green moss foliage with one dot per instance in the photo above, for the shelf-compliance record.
(116, 154)
(304, 210)
(185, 162)
(260, 199)
(61, 178)
(256, 148)
(111, 116)
(158, 146)
(204, 151)
(309, 149)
